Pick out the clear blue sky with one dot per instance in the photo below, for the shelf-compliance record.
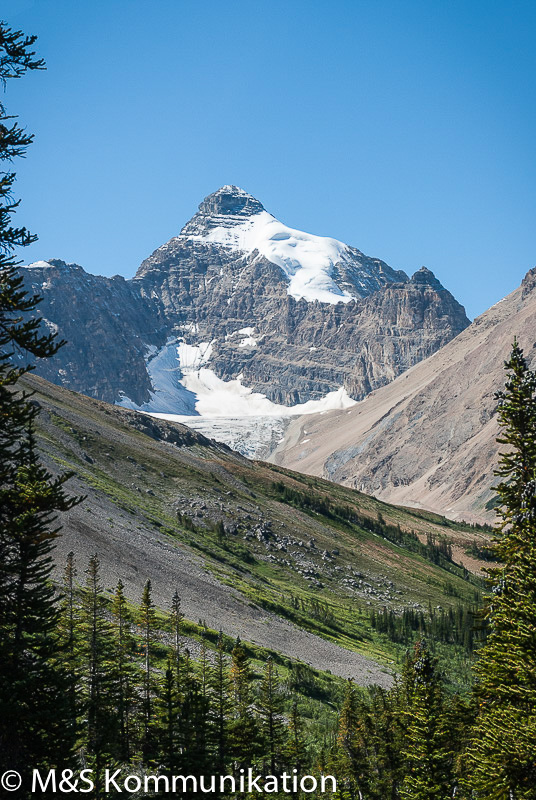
(404, 128)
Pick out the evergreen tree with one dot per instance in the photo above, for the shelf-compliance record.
(243, 734)
(220, 706)
(68, 657)
(148, 630)
(193, 721)
(19, 338)
(271, 714)
(385, 733)
(503, 753)
(34, 715)
(35, 723)
(204, 665)
(168, 709)
(101, 728)
(350, 762)
(294, 751)
(427, 752)
(176, 630)
(124, 671)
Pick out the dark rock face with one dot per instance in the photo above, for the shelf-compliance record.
(205, 291)
(108, 328)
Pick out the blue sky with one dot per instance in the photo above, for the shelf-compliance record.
(403, 128)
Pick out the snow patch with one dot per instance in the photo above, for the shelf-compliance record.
(186, 390)
(307, 260)
(38, 265)
(218, 398)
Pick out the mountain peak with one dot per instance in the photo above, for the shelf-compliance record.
(230, 201)
(426, 277)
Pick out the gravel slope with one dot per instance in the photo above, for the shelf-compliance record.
(132, 553)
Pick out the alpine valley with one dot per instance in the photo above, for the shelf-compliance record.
(240, 323)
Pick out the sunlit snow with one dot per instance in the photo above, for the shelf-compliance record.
(186, 387)
(307, 260)
(38, 265)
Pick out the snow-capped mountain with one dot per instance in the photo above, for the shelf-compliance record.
(316, 267)
(241, 316)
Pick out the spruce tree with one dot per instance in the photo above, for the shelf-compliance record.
(271, 713)
(350, 763)
(125, 674)
(503, 752)
(97, 647)
(68, 657)
(35, 724)
(243, 733)
(148, 631)
(193, 721)
(220, 705)
(294, 751)
(385, 730)
(168, 708)
(427, 751)
(176, 620)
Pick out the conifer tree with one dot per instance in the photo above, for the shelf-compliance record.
(34, 719)
(193, 721)
(385, 731)
(204, 665)
(503, 753)
(168, 709)
(427, 751)
(148, 630)
(350, 762)
(294, 751)
(102, 731)
(221, 704)
(271, 713)
(124, 671)
(68, 657)
(176, 630)
(243, 734)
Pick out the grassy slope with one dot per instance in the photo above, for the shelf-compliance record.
(182, 490)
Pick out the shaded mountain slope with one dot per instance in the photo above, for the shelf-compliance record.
(427, 439)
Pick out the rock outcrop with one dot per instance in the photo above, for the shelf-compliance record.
(107, 326)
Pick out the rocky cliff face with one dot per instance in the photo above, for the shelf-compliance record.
(108, 327)
(242, 304)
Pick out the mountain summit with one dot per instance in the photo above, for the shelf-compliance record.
(314, 267)
(226, 207)
(242, 316)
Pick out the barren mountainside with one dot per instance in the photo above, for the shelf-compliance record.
(428, 438)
